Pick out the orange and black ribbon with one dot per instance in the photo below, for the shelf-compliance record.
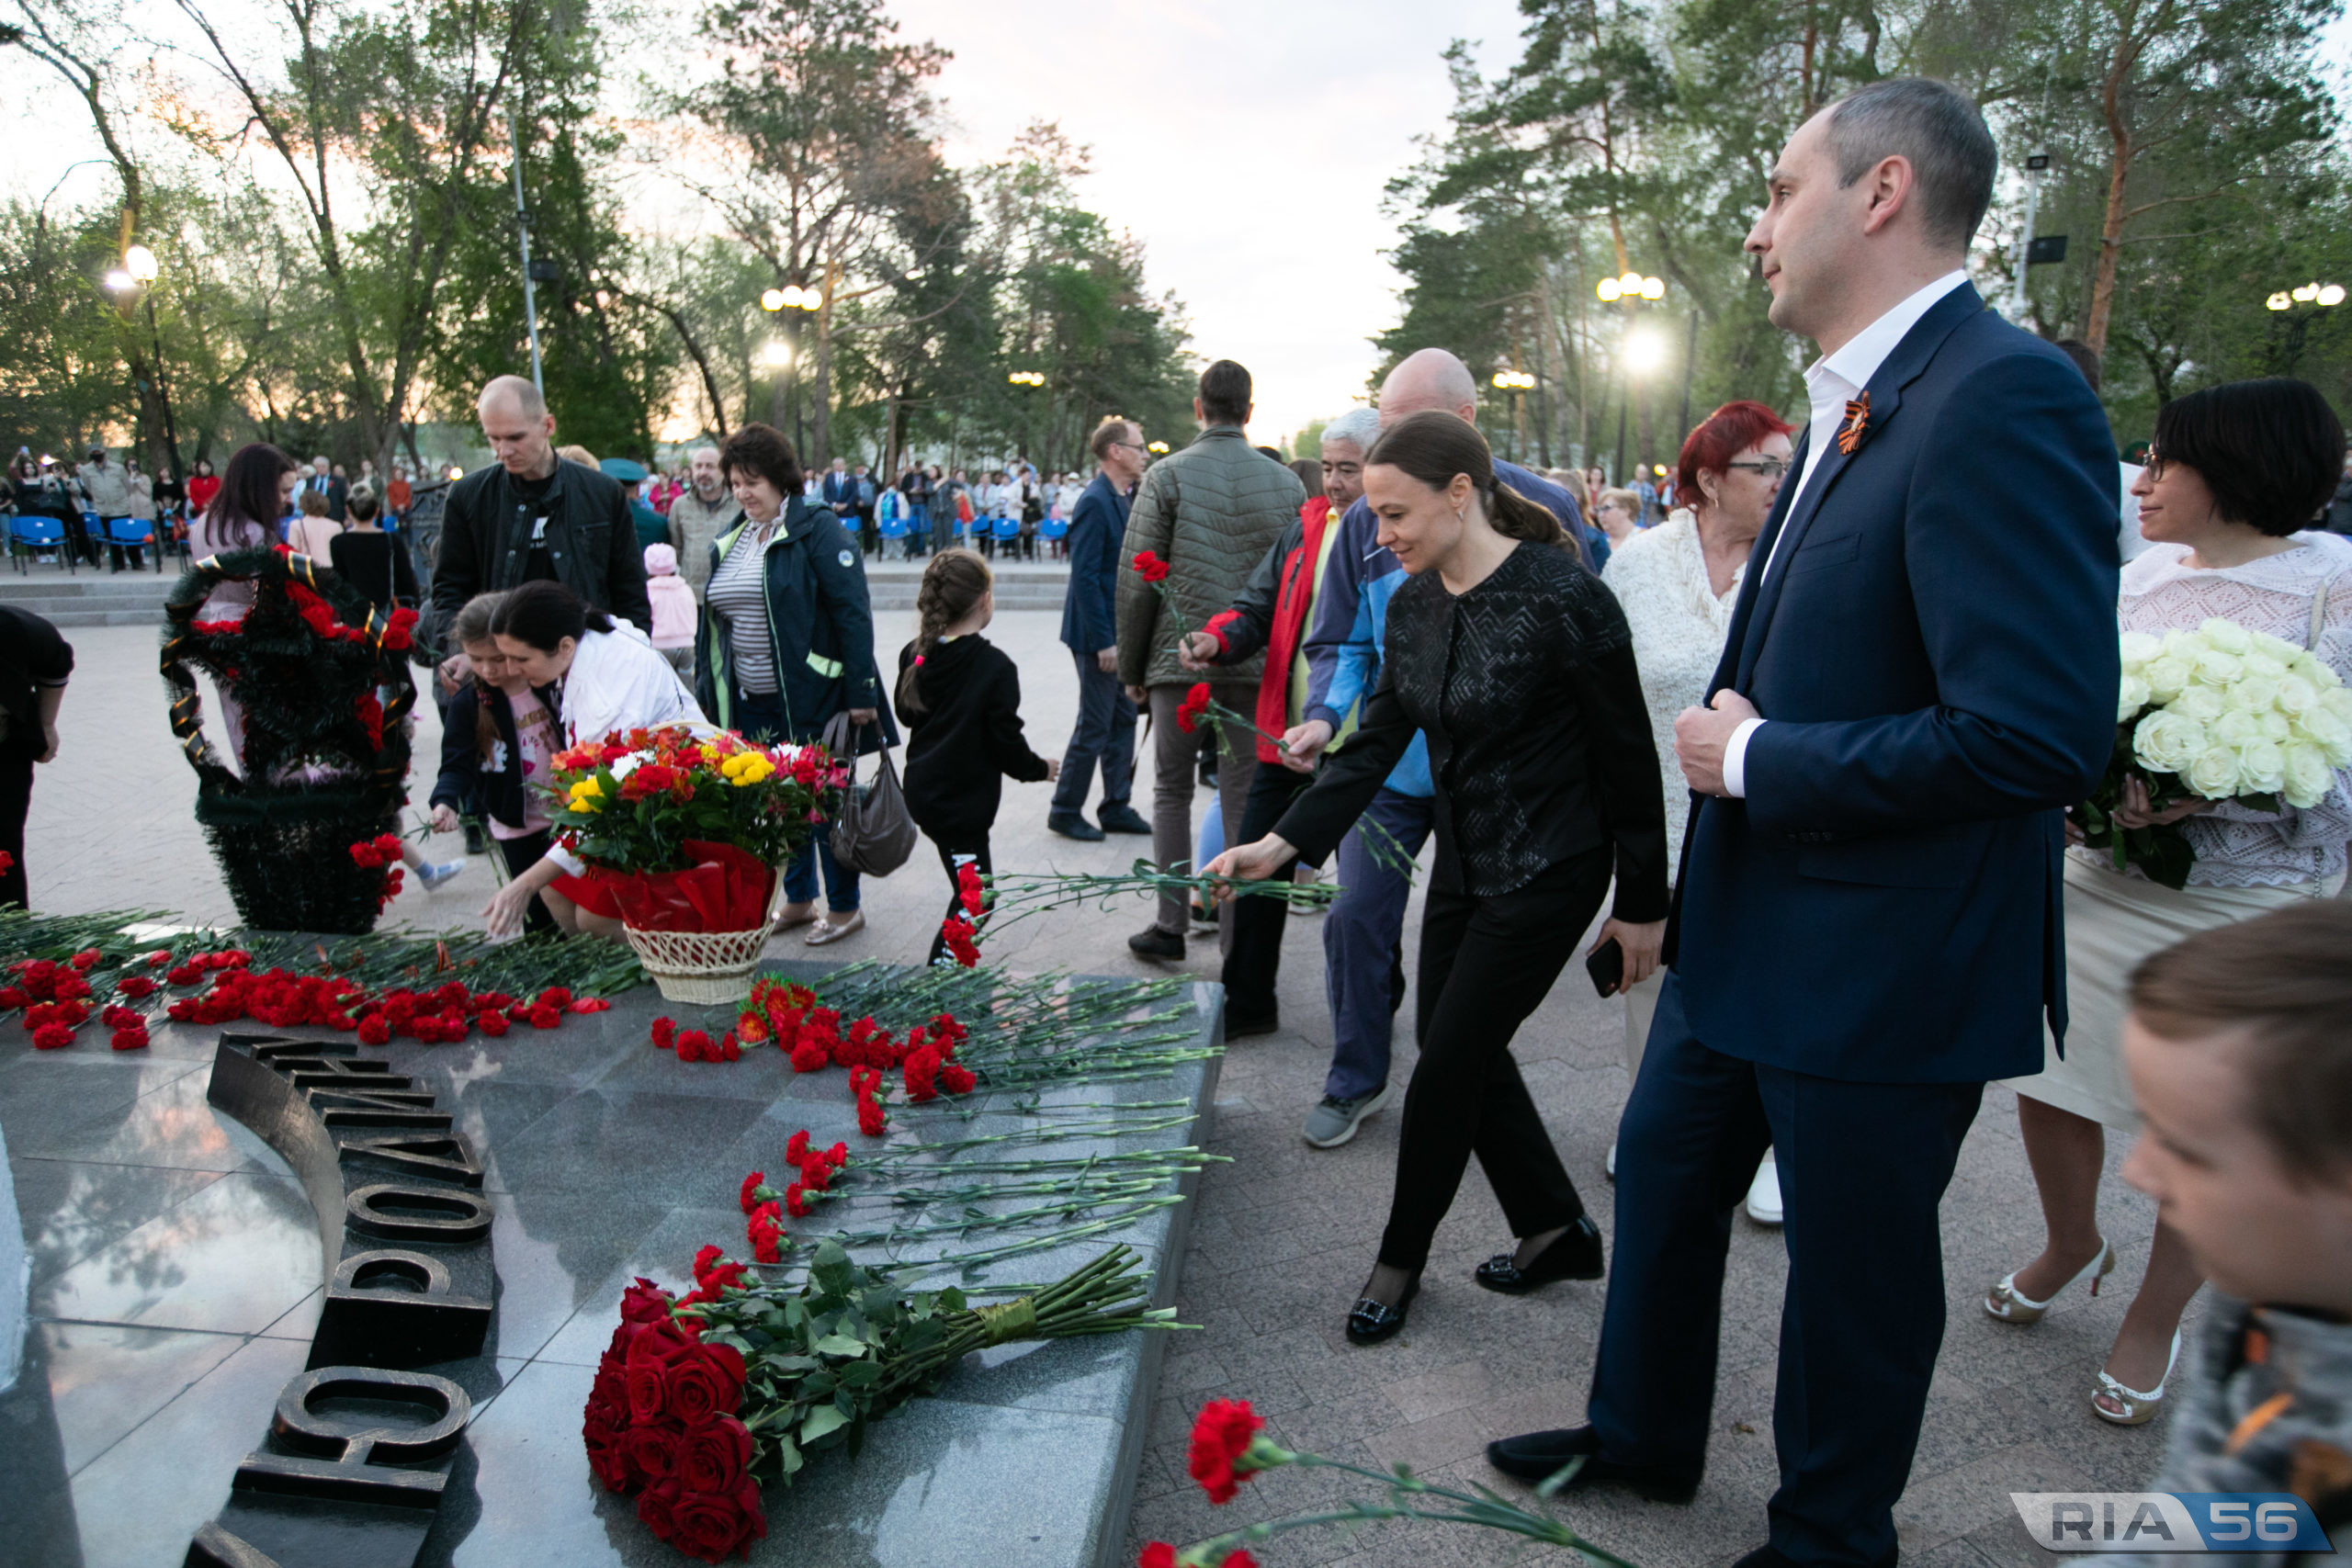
(1858, 420)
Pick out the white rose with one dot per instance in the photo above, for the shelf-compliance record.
(2276, 647)
(2323, 729)
(2308, 778)
(2274, 726)
(2318, 674)
(2213, 774)
(2167, 677)
(2138, 648)
(2262, 768)
(2295, 695)
(2263, 664)
(2227, 635)
(2255, 694)
(2167, 741)
(2337, 701)
(2202, 703)
(2235, 728)
(2131, 698)
(2185, 644)
(2216, 667)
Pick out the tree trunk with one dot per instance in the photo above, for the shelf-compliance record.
(2128, 43)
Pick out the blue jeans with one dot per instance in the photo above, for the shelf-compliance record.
(759, 716)
(1363, 969)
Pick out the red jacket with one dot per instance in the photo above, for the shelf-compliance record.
(1272, 614)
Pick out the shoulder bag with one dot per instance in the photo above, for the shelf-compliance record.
(873, 833)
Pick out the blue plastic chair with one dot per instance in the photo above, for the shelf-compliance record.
(129, 534)
(35, 532)
(1003, 528)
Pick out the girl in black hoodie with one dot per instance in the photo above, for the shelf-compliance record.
(960, 697)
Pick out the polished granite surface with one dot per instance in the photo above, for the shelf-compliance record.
(176, 1278)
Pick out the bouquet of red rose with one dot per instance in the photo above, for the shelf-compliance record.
(699, 1401)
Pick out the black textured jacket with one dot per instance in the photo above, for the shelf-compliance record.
(967, 741)
(1539, 738)
(463, 766)
(592, 544)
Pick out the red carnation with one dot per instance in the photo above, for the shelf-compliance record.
(969, 891)
(555, 996)
(492, 1024)
(729, 1051)
(693, 1046)
(796, 1201)
(1189, 711)
(795, 1148)
(1221, 1438)
(1150, 567)
(752, 1185)
(545, 1017)
(954, 1077)
(131, 986)
(129, 1037)
(838, 1156)
(665, 1033)
(590, 1004)
(957, 933)
(808, 1056)
(13, 996)
(870, 1119)
(52, 1037)
(922, 1068)
(1157, 1554)
(375, 1031)
(85, 959)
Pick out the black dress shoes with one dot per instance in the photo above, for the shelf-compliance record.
(1574, 1254)
(1240, 1026)
(1070, 825)
(1123, 819)
(1765, 1557)
(1153, 942)
(1370, 1321)
(1539, 1456)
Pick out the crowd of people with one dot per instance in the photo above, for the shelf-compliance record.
(1798, 732)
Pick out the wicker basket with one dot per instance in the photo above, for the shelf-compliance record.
(702, 968)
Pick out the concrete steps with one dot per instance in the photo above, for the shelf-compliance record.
(91, 597)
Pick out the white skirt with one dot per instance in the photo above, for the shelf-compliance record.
(2112, 922)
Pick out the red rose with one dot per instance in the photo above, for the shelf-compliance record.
(649, 1387)
(654, 1450)
(706, 1380)
(645, 1302)
(590, 1004)
(1221, 1436)
(52, 1037)
(870, 1118)
(710, 1525)
(1150, 567)
(606, 1435)
(714, 1454)
(665, 1033)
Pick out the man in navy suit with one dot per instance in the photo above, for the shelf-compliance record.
(1105, 730)
(1919, 677)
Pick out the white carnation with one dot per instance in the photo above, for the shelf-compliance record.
(2227, 635)
(2214, 772)
(2307, 777)
(2167, 741)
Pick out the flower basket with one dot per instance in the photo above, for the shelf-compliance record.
(702, 968)
(700, 931)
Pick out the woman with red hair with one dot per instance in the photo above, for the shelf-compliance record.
(1677, 584)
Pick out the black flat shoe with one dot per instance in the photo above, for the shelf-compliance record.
(1574, 1254)
(1539, 1456)
(1370, 1321)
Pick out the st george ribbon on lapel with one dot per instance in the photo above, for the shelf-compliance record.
(1858, 420)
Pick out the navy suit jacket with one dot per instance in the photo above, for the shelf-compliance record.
(1098, 526)
(1935, 653)
(840, 493)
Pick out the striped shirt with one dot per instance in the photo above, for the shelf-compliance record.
(739, 592)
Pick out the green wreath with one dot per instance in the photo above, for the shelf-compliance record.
(320, 678)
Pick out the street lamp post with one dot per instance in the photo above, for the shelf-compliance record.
(797, 300)
(1631, 288)
(1517, 383)
(2297, 305)
(139, 271)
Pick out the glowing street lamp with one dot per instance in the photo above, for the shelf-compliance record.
(1630, 286)
(2320, 294)
(121, 281)
(772, 299)
(140, 262)
(776, 354)
(1027, 377)
(1158, 448)
(792, 297)
(1515, 380)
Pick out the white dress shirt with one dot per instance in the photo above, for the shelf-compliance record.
(1832, 381)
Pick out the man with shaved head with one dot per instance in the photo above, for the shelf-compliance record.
(701, 517)
(532, 516)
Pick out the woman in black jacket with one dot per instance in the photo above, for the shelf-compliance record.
(1517, 664)
(961, 698)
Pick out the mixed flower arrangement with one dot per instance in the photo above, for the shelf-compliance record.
(634, 802)
(2221, 713)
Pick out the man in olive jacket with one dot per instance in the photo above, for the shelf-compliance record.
(532, 515)
(1211, 513)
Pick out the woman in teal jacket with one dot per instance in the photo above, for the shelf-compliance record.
(788, 642)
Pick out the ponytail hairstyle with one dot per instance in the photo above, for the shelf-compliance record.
(1433, 446)
(953, 585)
(543, 613)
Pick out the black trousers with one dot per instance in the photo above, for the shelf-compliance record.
(520, 855)
(15, 799)
(1863, 1168)
(952, 849)
(1260, 924)
(1487, 964)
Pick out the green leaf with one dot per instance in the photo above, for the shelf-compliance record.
(823, 1421)
(839, 1345)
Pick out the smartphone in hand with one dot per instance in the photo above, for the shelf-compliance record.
(1606, 964)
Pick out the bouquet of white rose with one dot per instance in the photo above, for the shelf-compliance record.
(2221, 713)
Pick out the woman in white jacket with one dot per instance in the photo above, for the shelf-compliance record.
(607, 677)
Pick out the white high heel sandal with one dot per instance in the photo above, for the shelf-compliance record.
(2004, 1301)
(2139, 1408)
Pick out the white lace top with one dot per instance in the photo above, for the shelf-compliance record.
(1660, 576)
(2237, 847)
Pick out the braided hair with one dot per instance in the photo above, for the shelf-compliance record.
(953, 585)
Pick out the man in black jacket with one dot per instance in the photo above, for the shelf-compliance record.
(533, 516)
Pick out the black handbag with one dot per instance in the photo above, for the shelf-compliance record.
(873, 833)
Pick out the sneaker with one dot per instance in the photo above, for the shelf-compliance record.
(1123, 819)
(1070, 825)
(1335, 1121)
(1764, 1192)
(434, 876)
(1153, 942)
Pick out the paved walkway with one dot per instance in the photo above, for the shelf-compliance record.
(1284, 1234)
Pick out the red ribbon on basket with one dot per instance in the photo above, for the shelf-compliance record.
(727, 889)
